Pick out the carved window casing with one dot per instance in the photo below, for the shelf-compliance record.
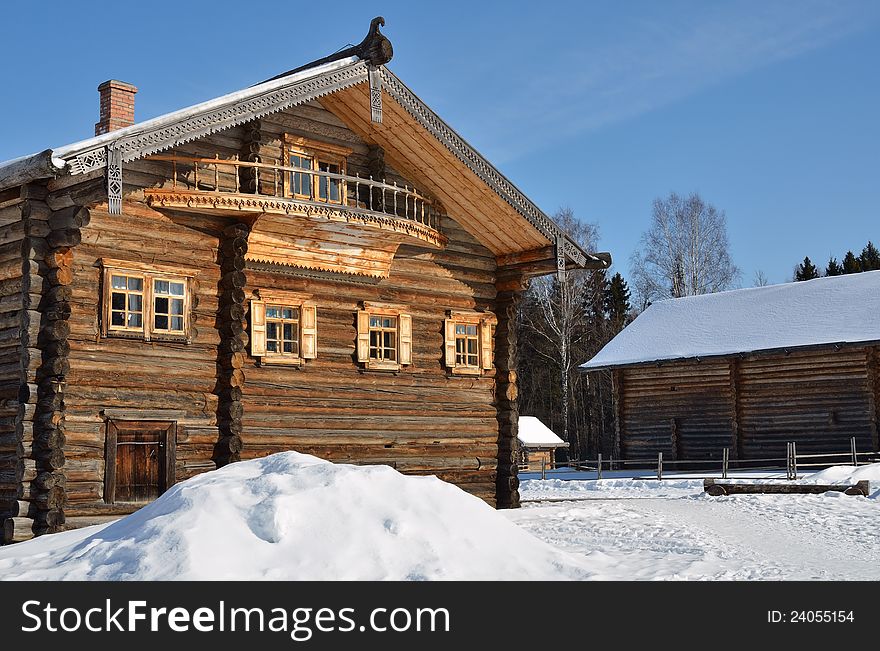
(283, 327)
(384, 337)
(149, 302)
(314, 156)
(468, 342)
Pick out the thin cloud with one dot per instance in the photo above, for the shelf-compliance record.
(661, 60)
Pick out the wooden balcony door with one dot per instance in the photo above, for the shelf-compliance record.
(139, 462)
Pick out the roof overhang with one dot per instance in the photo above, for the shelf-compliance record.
(330, 79)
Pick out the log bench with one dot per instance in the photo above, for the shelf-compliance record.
(717, 489)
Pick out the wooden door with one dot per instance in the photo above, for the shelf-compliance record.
(139, 460)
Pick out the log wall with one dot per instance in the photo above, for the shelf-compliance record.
(754, 405)
(417, 420)
(12, 236)
(134, 379)
(227, 406)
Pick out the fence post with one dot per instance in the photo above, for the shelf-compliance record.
(543, 468)
(855, 457)
(788, 460)
(794, 459)
(659, 466)
(599, 471)
(724, 462)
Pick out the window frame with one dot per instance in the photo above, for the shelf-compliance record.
(307, 331)
(403, 336)
(148, 274)
(484, 321)
(319, 153)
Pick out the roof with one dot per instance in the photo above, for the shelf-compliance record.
(535, 434)
(319, 79)
(824, 311)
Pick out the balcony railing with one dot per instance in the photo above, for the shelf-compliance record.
(273, 180)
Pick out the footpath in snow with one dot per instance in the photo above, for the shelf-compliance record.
(645, 529)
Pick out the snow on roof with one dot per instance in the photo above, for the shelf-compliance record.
(535, 434)
(832, 310)
(60, 153)
(292, 516)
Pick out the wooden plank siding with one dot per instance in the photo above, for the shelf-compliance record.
(754, 404)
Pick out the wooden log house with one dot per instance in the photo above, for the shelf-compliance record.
(315, 263)
(750, 370)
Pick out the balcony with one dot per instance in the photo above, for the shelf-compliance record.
(364, 205)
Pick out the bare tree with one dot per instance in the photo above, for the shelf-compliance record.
(685, 252)
(760, 279)
(554, 318)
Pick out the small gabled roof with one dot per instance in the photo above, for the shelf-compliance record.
(320, 79)
(535, 434)
(837, 310)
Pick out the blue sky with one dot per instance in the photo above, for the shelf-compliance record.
(768, 109)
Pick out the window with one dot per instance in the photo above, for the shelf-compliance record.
(468, 341)
(168, 299)
(384, 337)
(284, 328)
(321, 159)
(145, 301)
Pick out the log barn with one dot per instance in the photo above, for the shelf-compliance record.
(316, 263)
(750, 370)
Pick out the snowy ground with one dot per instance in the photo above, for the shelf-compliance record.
(645, 529)
(292, 516)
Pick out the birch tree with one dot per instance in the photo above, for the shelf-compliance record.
(685, 252)
(554, 324)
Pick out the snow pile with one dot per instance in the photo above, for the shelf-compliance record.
(850, 475)
(744, 320)
(292, 516)
(534, 433)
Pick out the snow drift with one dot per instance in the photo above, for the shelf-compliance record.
(292, 516)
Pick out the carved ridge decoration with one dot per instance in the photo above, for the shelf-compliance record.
(255, 204)
(231, 115)
(476, 163)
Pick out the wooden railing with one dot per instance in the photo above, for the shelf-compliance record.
(356, 192)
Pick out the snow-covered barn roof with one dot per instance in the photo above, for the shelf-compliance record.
(826, 311)
(535, 434)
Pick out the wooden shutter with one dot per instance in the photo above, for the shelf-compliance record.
(486, 344)
(449, 342)
(405, 338)
(258, 328)
(363, 336)
(309, 331)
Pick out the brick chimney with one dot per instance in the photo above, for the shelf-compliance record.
(117, 106)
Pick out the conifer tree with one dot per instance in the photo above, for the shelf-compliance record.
(869, 260)
(617, 302)
(833, 268)
(806, 270)
(851, 264)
